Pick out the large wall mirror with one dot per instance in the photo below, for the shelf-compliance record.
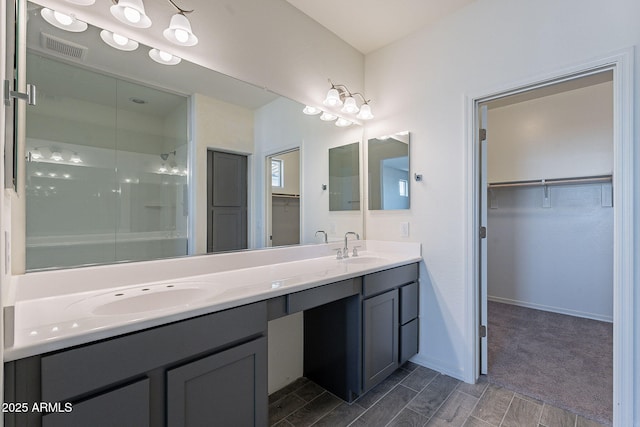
(388, 172)
(116, 152)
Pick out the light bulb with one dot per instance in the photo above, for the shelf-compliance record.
(311, 110)
(327, 117)
(56, 156)
(62, 18)
(333, 98)
(75, 158)
(343, 122)
(165, 56)
(36, 154)
(181, 35)
(365, 112)
(131, 15)
(121, 40)
(350, 106)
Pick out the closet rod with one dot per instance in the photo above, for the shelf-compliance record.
(286, 196)
(554, 181)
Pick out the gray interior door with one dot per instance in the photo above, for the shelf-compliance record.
(227, 201)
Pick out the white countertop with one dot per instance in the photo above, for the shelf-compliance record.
(54, 310)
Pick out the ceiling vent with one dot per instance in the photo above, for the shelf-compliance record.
(63, 47)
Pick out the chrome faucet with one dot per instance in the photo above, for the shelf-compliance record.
(323, 232)
(345, 251)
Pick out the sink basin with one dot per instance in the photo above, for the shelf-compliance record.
(363, 259)
(145, 298)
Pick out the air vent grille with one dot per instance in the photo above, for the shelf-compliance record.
(63, 47)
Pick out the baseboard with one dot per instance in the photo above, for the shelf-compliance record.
(438, 366)
(552, 309)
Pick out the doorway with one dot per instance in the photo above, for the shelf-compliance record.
(283, 198)
(621, 63)
(226, 201)
(549, 244)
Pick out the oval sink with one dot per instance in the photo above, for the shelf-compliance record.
(149, 301)
(144, 298)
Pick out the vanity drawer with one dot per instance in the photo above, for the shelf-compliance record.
(78, 371)
(408, 340)
(316, 297)
(125, 406)
(382, 281)
(408, 302)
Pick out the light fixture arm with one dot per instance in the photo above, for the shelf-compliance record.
(344, 91)
(180, 10)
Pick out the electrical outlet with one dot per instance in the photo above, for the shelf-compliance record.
(404, 229)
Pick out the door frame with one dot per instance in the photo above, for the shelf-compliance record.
(624, 164)
(267, 191)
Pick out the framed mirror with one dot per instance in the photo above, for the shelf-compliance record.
(344, 178)
(388, 172)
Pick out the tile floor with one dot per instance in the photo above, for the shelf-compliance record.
(416, 396)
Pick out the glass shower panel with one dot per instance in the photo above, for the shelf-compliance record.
(106, 175)
(70, 168)
(152, 173)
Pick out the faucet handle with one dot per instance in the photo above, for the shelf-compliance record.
(338, 253)
(355, 250)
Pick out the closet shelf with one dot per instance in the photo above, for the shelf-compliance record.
(554, 181)
(286, 196)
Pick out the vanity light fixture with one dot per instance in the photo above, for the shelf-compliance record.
(340, 95)
(63, 21)
(162, 57)
(130, 12)
(179, 31)
(118, 41)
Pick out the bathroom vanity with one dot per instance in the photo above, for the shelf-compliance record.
(202, 361)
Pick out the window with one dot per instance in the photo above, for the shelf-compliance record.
(277, 173)
(403, 187)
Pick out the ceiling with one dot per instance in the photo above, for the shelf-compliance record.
(368, 25)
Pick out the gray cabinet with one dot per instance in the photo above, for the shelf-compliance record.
(225, 389)
(134, 379)
(390, 322)
(380, 337)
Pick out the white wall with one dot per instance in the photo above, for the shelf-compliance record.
(569, 134)
(421, 83)
(557, 258)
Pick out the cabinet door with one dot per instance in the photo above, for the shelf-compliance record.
(380, 337)
(226, 389)
(126, 406)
